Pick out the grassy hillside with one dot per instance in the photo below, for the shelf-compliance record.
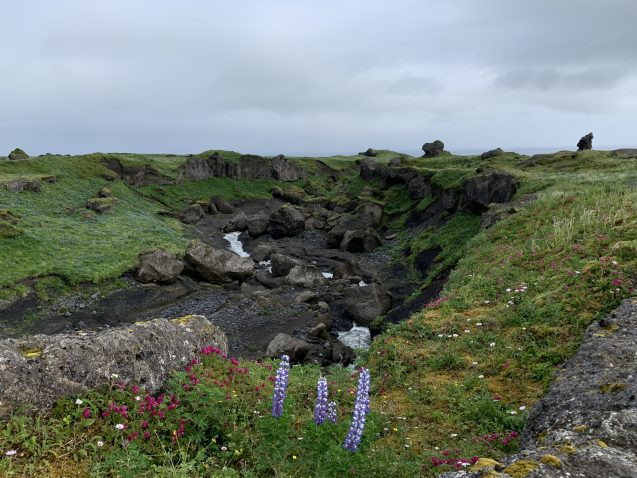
(455, 380)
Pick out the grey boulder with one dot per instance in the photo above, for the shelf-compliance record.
(158, 266)
(305, 276)
(284, 344)
(38, 370)
(286, 221)
(364, 304)
(218, 266)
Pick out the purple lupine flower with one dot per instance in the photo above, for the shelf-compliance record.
(331, 412)
(361, 408)
(320, 409)
(280, 386)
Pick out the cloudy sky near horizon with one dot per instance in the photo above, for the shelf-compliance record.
(308, 77)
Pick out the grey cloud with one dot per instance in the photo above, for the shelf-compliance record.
(314, 77)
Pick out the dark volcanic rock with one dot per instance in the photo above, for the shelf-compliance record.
(284, 344)
(585, 142)
(38, 370)
(220, 205)
(370, 153)
(587, 423)
(218, 266)
(305, 276)
(257, 224)
(158, 266)
(286, 221)
(395, 162)
(368, 169)
(100, 205)
(282, 264)
(433, 149)
(237, 223)
(480, 191)
(362, 240)
(192, 214)
(419, 188)
(17, 154)
(364, 304)
(492, 153)
(248, 166)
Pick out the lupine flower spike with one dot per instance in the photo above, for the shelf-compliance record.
(361, 408)
(331, 412)
(280, 386)
(320, 409)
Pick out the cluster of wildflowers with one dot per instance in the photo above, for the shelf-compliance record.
(280, 386)
(504, 439)
(361, 409)
(436, 302)
(456, 462)
(332, 414)
(320, 409)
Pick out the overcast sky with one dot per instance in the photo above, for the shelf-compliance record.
(315, 77)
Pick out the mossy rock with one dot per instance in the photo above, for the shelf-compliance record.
(521, 468)
(612, 387)
(104, 192)
(551, 460)
(101, 205)
(18, 154)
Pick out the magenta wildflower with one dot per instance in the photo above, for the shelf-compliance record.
(280, 386)
(361, 409)
(320, 409)
(86, 413)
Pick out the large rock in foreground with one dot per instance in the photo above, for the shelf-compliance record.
(587, 423)
(158, 266)
(18, 154)
(585, 142)
(36, 371)
(218, 266)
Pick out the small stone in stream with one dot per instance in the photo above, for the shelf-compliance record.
(220, 205)
(342, 354)
(157, 266)
(262, 252)
(257, 224)
(305, 276)
(319, 331)
(282, 264)
(284, 344)
(323, 307)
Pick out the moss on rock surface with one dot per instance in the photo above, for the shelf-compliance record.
(18, 154)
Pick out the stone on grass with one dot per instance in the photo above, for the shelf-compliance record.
(158, 266)
(585, 142)
(433, 149)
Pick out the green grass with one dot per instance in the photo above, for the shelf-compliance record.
(59, 236)
(457, 370)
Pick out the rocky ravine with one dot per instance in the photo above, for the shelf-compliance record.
(586, 426)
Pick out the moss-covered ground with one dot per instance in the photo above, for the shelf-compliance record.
(454, 380)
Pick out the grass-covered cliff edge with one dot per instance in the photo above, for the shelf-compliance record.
(468, 365)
